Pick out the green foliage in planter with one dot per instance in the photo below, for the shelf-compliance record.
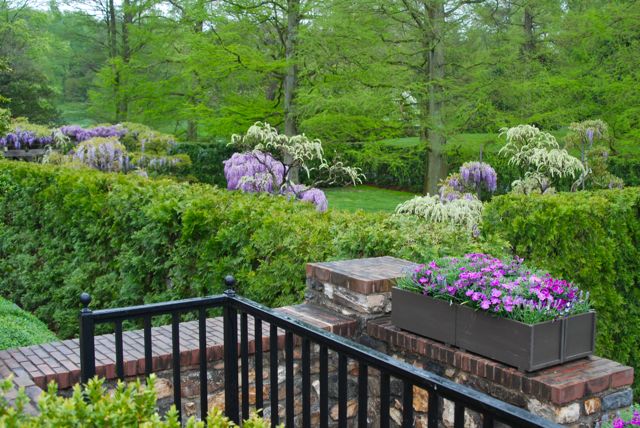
(129, 240)
(129, 405)
(20, 328)
(206, 160)
(590, 238)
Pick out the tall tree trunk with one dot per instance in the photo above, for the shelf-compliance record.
(528, 53)
(291, 78)
(127, 20)
(192, 123)
(113, 53)
(529, 44)
(436, 158)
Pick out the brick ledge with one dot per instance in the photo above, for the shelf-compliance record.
(559, 385)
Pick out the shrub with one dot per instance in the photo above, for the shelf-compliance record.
(141, 138)
(465, 212)
(591, 238)
(5, 120)
(20, 328)
(626, 167)
(206, 160)
(178, 165)
(129, 405)
(384, 165)
(105, 154)
(128, 240)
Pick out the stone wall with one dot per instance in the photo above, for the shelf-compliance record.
(581, 393)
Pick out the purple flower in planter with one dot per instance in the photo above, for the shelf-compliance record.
(507, 288)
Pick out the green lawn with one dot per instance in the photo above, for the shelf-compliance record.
(367, 198)
(20, 328)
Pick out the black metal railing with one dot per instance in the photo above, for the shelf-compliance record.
(237, 403)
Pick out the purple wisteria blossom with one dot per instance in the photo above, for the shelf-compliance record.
(105, 154)
(80, 134)
(21, 139)
(507, 288)
(479, 175)
(254, 172)
(257, 172)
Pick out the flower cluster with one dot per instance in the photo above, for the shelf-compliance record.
(479, 175)
(254, 172)
(105, 154)
(80, 134)
(258, 172)
(21, 139)
(506, 288)
(629, 420)
(308, 194)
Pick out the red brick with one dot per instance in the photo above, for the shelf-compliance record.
(622, 378)
(598, 384)
(567, 393)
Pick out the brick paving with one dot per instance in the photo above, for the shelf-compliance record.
(35, 366)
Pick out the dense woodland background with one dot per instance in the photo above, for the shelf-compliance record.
(340, 70)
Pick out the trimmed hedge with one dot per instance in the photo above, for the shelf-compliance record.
(592, 238)
(20, 328)
(206, 160)
(129, 240)
(405, 167)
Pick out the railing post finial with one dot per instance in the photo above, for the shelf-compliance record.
(230, 283)
(85, 299)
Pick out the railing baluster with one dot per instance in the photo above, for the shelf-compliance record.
(148, 350)
(324, 386)
(244, 356)
(231, 364)
(487, 420)
(306, 382)
(258, 363)
(273, 373)
(342, 391)
(175, 342)
(434, 408)
(407, 405)
(119, 350)
(202, 339)
(362, 394)
(458, 420)
(385, 388)
(87, 341)
(288, 345)
(492, 410)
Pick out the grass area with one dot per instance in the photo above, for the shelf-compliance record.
(20, 328)
(367, 198)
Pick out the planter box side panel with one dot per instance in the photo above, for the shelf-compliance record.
(547, 345)
(423, 315)
(497, 338)
(580, 331)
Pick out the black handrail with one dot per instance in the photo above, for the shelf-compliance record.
(491, 409)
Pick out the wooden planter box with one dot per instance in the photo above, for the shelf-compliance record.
(527, 347)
